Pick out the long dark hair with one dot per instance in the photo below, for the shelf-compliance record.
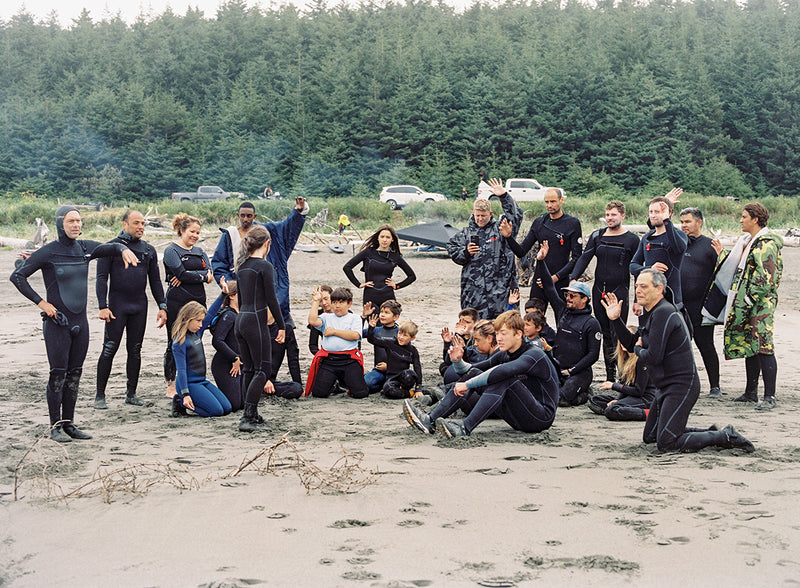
(253, 240)
(372, 240)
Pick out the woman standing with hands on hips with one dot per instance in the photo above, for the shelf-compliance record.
(188, 270)
(380, 255)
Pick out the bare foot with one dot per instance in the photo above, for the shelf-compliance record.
(171, 391)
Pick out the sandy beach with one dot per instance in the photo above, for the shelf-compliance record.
(353, 496)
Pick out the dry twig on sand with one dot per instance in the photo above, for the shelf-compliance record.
(37, 465)
(345, 476)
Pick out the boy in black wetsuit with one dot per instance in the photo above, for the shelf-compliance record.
(403, 369)
(462, 333)
(518, 384)
(386, 331)
(122, 300)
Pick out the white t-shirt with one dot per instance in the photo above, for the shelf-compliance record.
(348, 322)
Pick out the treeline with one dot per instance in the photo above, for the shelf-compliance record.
(609, 98)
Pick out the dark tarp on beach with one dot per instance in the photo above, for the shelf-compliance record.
(437, 233)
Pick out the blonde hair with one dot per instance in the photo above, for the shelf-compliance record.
(188, 312)
(511, 319)
(410, 328)
(482, 204)
(626, 362)
(253, 240)
(183, 221)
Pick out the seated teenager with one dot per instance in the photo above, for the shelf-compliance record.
(518, 384)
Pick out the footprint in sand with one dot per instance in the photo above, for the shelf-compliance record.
(492, 471)
(529, 507)
(361, 575)
(410, 523)
(455, 524)
(232, 583)
(359, 561)
(349, 524)
(326, 561)
(749, 515)
(277, 515)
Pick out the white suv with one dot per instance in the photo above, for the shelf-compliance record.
(398, 196)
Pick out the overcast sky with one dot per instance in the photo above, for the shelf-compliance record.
(67, 10)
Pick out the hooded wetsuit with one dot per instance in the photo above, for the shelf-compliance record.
(65, 268)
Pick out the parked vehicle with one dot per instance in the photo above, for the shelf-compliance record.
(520, 189)
(398, 196)
(203, 194)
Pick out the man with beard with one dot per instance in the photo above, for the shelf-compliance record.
(284, 235)
(561, 231)
(122, 300)
(663, 247)
(614, 248)
(489, 272)
(697, 272)
(577, 344)
(65, 269)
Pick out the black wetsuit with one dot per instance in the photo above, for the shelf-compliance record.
(565, 240)
(65, 268)
(191, 267)
(400, 359)
(667, 248)
(577, 344)
(611, 275)
(124, 292)
(256, 285)
(522, 389)
(667, 351)
(227, 350)
(378, 266)
(632, 401)
(697, 271)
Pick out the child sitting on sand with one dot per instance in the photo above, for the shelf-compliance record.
(324, 306)
(635, 392)
(194, 391)
(386, 331)
(547, 332)
(462, 335)
(403, 369)
(339, 360)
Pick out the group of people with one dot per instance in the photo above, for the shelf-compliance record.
(498, 361)
(685, 284)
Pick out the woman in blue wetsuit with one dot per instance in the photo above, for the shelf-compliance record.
(187, 271)
(379, 256)
(193, 390)
(65, 268)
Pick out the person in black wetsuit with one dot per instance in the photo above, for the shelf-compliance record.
(560, 230)
(519, 384)
(257, 298)
(577, 344)
(663, 344)
(635, 391)
(226, 366)
(697, 272)
(614, 248)
(122, 299)
(663, 247)
(187, 271)
(65, 268)
(379, 256)
(403, 368)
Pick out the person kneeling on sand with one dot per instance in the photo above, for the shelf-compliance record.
(664, 345)
(519, 384)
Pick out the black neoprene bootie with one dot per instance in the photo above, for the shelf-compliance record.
(100, 402)
(178, 409)
(131, 398)
(57, 434)
(748, 396)
(74, 432)
(251, 421)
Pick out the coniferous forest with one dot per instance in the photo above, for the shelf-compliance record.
(602, 97)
